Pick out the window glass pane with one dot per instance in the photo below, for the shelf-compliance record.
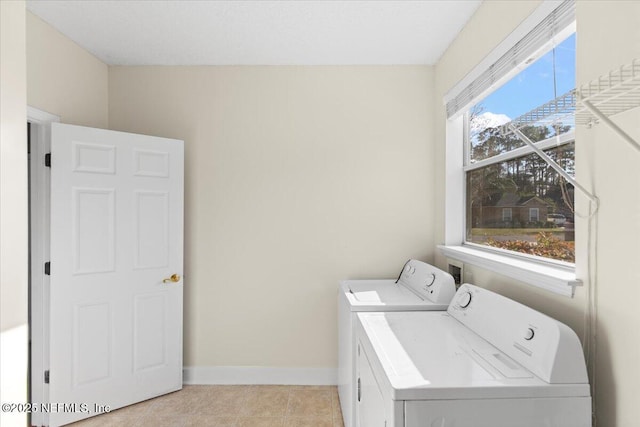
(524, 205)
(551, 76)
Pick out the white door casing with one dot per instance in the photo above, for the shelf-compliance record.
(116, 233)
(39, 185)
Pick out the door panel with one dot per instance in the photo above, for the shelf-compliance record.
(93, 158)
(116, 233)
(92, 343)
(151, 236)
(151, 163)
(93, 222)
(150, 344)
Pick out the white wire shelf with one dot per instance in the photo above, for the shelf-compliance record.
(611, 94)
(591, 103)
(555, 112)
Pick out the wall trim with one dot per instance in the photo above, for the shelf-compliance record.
(40, 182)
(35, 115)
(259, 375)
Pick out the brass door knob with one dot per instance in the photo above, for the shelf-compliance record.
(175, 278)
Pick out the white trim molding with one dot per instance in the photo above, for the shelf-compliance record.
(553, 277)
(39, 253)
(35, 115)
(259, 375)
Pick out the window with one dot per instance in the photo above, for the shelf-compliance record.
(508, 186)
(507, 113)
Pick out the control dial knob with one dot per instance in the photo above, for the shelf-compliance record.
(430, 281)
(464, 300)
(529, 334)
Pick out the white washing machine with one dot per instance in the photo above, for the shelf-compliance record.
(420, 287)
(487, 362)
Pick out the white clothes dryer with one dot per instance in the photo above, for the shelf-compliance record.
(487, 362)
(420, 287)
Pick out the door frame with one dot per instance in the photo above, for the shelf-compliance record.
(39, 246)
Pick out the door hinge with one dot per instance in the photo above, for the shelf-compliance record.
(47, 268)
(46, 377)
(47, 160)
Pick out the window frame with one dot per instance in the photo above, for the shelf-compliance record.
(556, 276)
(510, 216)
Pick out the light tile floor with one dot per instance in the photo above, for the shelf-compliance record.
(231, 406)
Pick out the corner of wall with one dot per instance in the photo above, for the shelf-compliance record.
(63, 78)
(13, 211)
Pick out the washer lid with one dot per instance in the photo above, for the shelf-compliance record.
(384, 295)
(429, 355)
(384, 291)
(420, 286)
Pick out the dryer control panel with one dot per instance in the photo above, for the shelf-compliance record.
(546, 347)
(427, 281)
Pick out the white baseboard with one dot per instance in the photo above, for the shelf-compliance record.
(258, 375)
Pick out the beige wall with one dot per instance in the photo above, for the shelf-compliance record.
(64, 79)
(608, 36)
(296, 177)
(13, 168)
(13, 210)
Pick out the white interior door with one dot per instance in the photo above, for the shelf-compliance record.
(116, 233)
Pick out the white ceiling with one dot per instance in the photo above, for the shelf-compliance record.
(125, 32)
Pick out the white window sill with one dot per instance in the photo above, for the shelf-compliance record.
(555, 278)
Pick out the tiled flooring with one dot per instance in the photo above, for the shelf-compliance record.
(226, 406)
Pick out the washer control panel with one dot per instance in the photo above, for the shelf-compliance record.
(546, 347)
(429, 282)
